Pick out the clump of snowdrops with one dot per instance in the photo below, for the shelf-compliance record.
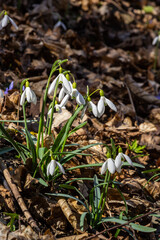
(63, 89)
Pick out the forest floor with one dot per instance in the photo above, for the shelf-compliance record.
(108, 45)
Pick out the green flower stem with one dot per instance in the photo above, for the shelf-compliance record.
(105, 193)
(53, 104)
(41, 122)
(94, 92)
(25, 124)
(101, 199)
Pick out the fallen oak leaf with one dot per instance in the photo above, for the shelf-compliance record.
(139, 92)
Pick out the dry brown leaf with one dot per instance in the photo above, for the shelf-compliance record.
(82, 236)
(60, 118)
(77, 207)
(139, 92)
(6, 199)
(147, 127)
(68, 212)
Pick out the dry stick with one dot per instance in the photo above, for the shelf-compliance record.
(121, 225)
(18, 197)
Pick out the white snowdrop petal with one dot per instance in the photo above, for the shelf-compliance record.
(65, 84)
(52, 86)
(52, 167)
(110, 104)
(61, 94)
(58, 108)
(118, 161)
(74, 93)
(5, 21)
(1, 93)
(13, 23)
(118, 169)
(60, 167)
(64, 101)
(80, 99)
(93, 108)
(48, 167)
(49, 112)
(100, 107)
(155, 41)
(23, 97)
(28, 94)
(104, 167)
(128, 159)
(33, 97)
(111, 166)
(83, 112)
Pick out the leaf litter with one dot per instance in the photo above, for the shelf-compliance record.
(109, 45)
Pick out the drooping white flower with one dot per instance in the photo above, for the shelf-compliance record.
(76, 94)
(80, 99)
(5, 20)
(92, 107)
(108, 164)
(1, 93)
(156, 40)
(29, 95)
(104, 102)
(52, 166)
(61, 94)
(63, 80)
(60, 106)
(119, 162)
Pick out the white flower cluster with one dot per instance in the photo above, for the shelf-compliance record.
(5, 20)
(69, 90)
(115, 165)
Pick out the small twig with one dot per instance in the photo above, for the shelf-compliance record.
(121, 225)
(18, 197)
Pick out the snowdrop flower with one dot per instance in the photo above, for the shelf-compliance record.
(29, 95)
(156, 40)
(119, 162)
(60, 106)
(5, 20)
(109, 164)
(80, 99)
(58, 109)
(92, 107)
(60, 24)
(52, 166)
(104, 102)
(1, 93)
(65, 84)
(77, 95)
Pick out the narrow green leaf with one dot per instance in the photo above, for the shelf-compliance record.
(41, 181)
(77, 128)
(33, 149)
(5, 150)
(97, 193)
(14, 144)
(142, 228)
(82, 218)
(134, 164)
(62, 136)
(112, 219)
(68, 196)
(41, 152)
